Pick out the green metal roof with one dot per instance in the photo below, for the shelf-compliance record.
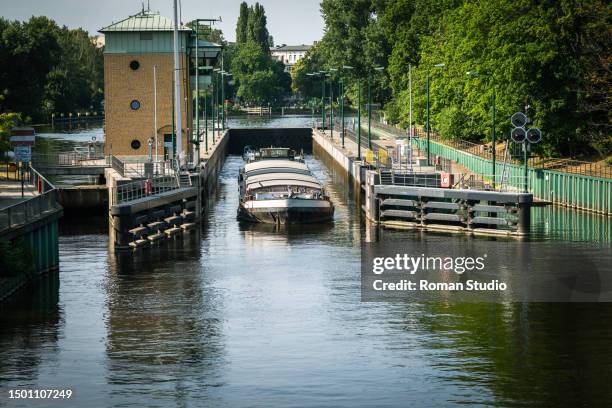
(146, 20)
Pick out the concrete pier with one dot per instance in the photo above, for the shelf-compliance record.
(418, 201)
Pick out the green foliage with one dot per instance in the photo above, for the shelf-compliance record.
(46, 68)
(553, 56)
(252, 26)
(242, 24)
(258, 78)
(7, 122)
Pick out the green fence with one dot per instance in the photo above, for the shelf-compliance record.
(574, 190)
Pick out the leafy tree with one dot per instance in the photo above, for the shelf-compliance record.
(7, 122)
(257, 30)
(550, 56)
(242, 24)
(45, 68)
(257, 77)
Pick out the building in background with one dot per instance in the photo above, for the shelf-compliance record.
(289, 54)
(133, 47)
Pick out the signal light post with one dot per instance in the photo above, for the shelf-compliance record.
(526, 137)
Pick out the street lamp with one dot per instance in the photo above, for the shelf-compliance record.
(370, 106)
(331, 101)
(322, 74)
(493, 153)
(223, 75)
(207, 68)
(440, 65)
(214, 107)
(347, 68)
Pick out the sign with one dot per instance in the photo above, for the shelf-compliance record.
(22, 136)
(23, 153)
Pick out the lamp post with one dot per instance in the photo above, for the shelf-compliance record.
(441, 65)
(493, 118)
(370, 107)
(331, 101)
(213, 95)
(358, 119)
(348, 68)
(206, 119)
(322, 74)
(223, 114)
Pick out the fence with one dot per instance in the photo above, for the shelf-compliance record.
(574, 190)
(72, 158)
(27, 211)
(563, 165)
(143, 188)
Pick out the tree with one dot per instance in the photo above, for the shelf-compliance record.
(242, 24)
(45, 67)
(257, 77)
(552, 56)
(257, 27)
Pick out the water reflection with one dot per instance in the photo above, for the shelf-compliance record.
(30, 322)
(248, 315)
(532, 354)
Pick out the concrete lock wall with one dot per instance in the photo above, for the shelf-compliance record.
(573, 190)
(41, 241)
(295, 138)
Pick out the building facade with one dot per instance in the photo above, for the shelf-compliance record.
(138, 84)
(289, 54)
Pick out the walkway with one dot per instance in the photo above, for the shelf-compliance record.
(10, 192)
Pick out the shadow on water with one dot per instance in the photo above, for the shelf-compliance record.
(32, 320)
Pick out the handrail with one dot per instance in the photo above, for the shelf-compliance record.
(22, 213)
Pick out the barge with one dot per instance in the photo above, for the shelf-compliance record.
(277, 187)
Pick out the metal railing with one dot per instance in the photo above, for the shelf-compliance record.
(464, 181)
(76, 157)
(31, 209)
(143, 188)
(136, 168)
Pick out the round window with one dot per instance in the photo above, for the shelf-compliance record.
(135, 144)
(134, 65)
(135, 105)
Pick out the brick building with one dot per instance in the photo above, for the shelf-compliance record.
(133, 47)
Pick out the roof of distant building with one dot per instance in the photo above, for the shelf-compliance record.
(146, 20)
(285, 47)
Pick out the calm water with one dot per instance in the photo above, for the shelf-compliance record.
(249, 316)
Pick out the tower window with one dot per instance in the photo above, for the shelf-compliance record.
(135, 144)
(135, 105)
(134, 65)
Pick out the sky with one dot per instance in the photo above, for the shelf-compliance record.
(292, 22)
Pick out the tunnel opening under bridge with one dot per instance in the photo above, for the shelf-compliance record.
(256, 138)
